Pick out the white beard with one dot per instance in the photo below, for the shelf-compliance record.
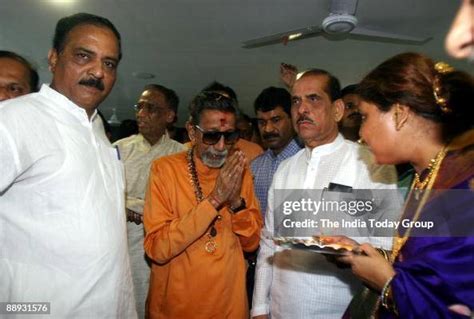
(209, 159)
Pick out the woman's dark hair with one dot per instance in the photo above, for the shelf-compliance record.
(442, 95)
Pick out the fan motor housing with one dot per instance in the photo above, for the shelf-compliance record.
(339, 23)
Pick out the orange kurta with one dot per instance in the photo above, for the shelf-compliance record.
(187, 281)
(250, 149)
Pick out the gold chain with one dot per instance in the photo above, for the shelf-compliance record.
(193, 175)
(420, 185)
(211, 244)
(417, 186)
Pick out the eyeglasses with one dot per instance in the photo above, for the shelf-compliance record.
(213, 137)
(148, 107)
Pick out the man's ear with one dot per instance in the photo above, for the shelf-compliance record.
(170, 117)
(191, 131)
(400, 115)
(338, 107)
(52, 59)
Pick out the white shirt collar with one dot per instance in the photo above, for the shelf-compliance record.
(66, 104)
(321, 150)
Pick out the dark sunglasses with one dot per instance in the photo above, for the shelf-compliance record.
(211, 138)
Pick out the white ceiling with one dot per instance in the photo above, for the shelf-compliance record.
(189, 43)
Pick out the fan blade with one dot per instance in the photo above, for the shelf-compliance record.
(343, 7)
(283, 37)
(387, 35)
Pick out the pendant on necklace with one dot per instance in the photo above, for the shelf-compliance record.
(211, 245)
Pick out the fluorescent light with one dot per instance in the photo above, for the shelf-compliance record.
(294, 36)
(60, 2)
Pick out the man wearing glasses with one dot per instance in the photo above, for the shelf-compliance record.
(156, 108)
(200, 215)
(297, 284)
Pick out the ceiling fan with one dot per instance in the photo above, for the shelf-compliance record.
(340, 21)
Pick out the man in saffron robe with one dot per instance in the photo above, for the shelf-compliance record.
(200, 215)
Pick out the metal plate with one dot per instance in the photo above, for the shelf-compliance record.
(312, 245)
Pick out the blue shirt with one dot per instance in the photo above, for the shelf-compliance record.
(264, 166)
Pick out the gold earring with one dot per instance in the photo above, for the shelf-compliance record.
(396, 118)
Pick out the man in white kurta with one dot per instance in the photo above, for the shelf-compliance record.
(156, 108)
(62, 226)
(299, 284)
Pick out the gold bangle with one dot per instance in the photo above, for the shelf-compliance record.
(386, 297)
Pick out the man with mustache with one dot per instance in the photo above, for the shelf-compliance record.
(299, 284)
(200, 215)
(273, 110)
(61, 190)
(17, 76)
(155, 109)
(349, 124)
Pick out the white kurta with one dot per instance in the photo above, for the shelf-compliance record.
(137, 155)
(62, 227)
(297, 284)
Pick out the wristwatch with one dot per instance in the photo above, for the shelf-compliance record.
(237, 209)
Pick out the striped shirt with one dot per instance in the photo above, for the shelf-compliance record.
(263, 168)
